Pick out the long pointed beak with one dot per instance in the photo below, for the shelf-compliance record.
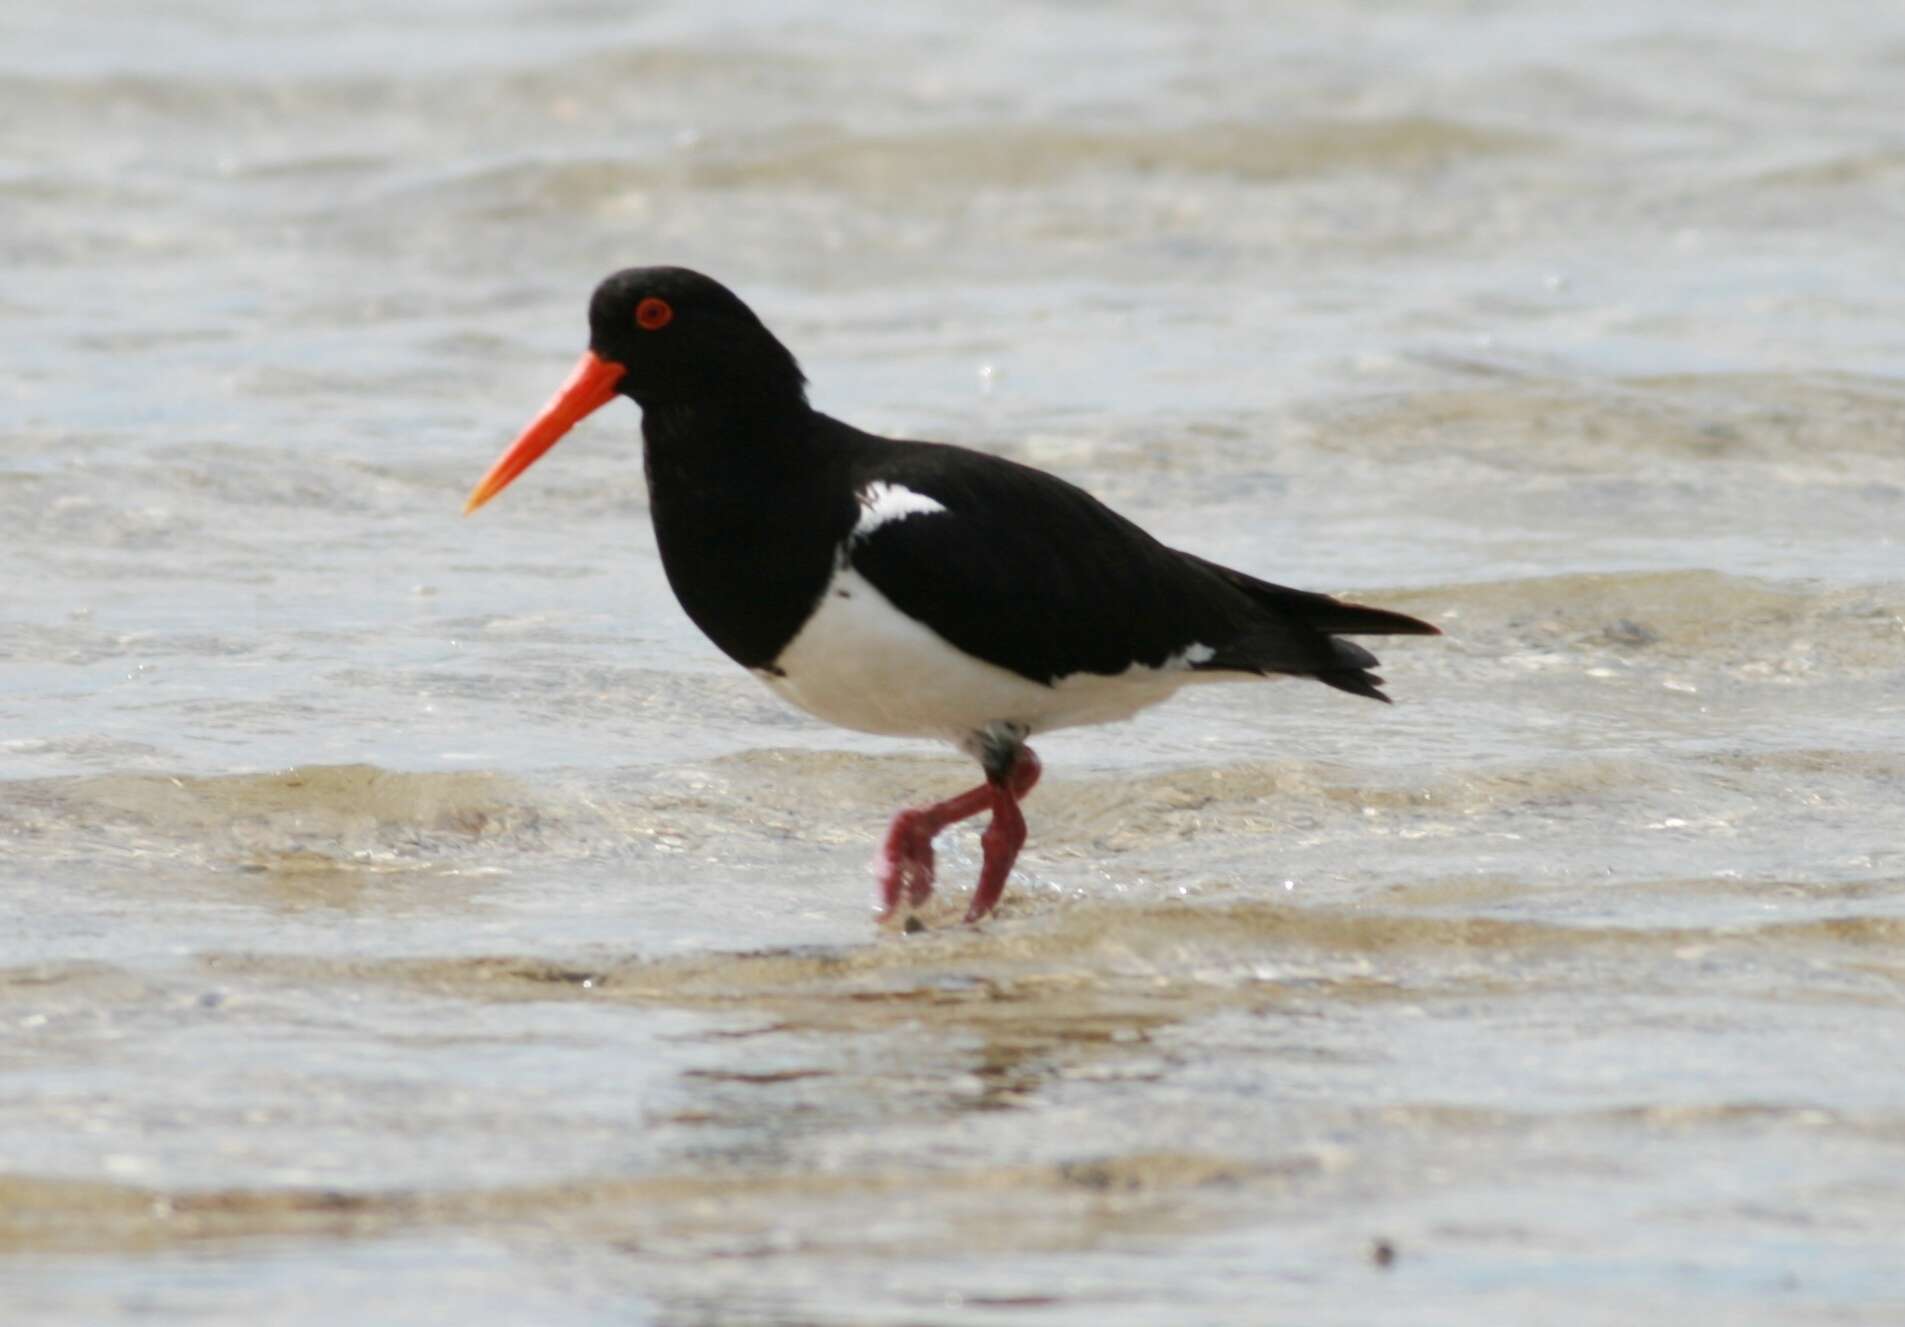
(589, 388)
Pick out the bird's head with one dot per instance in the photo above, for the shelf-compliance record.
(664, 336)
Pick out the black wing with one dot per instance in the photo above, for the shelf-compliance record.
(1014, 543)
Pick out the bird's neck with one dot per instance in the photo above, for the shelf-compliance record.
(729, 446)
(747, 518)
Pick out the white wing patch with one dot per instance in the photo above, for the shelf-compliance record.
(884, 503)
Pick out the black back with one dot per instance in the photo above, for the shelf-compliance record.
(1034, 574)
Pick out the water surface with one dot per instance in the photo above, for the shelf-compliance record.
(415, 911)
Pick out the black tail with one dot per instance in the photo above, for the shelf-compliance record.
(1297, 634)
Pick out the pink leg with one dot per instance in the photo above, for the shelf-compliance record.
(905, 864)
(1002, 840)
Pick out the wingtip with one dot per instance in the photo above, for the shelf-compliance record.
(1405, 625)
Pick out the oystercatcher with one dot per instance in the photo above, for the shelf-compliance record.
(912, 588)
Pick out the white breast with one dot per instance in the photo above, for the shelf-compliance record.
(862, 663)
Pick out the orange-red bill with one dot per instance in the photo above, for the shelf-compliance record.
(589, 388)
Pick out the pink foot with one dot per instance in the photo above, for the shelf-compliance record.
(905, 863)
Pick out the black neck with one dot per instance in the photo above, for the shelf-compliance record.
(747, 517)
(770, 425)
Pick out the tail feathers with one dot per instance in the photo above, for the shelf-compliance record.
(1351, 671)
(1301, 636)
(1351, 655)
(1295, 649)
(1355, 681)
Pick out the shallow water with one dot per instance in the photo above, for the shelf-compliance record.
(409, 910)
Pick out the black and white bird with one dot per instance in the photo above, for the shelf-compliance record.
(913, 588)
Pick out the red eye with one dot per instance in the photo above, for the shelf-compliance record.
(653, 314)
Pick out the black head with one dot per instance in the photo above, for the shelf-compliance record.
(669, 338)
(687, 339)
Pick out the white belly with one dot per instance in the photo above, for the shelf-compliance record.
(861, 663)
